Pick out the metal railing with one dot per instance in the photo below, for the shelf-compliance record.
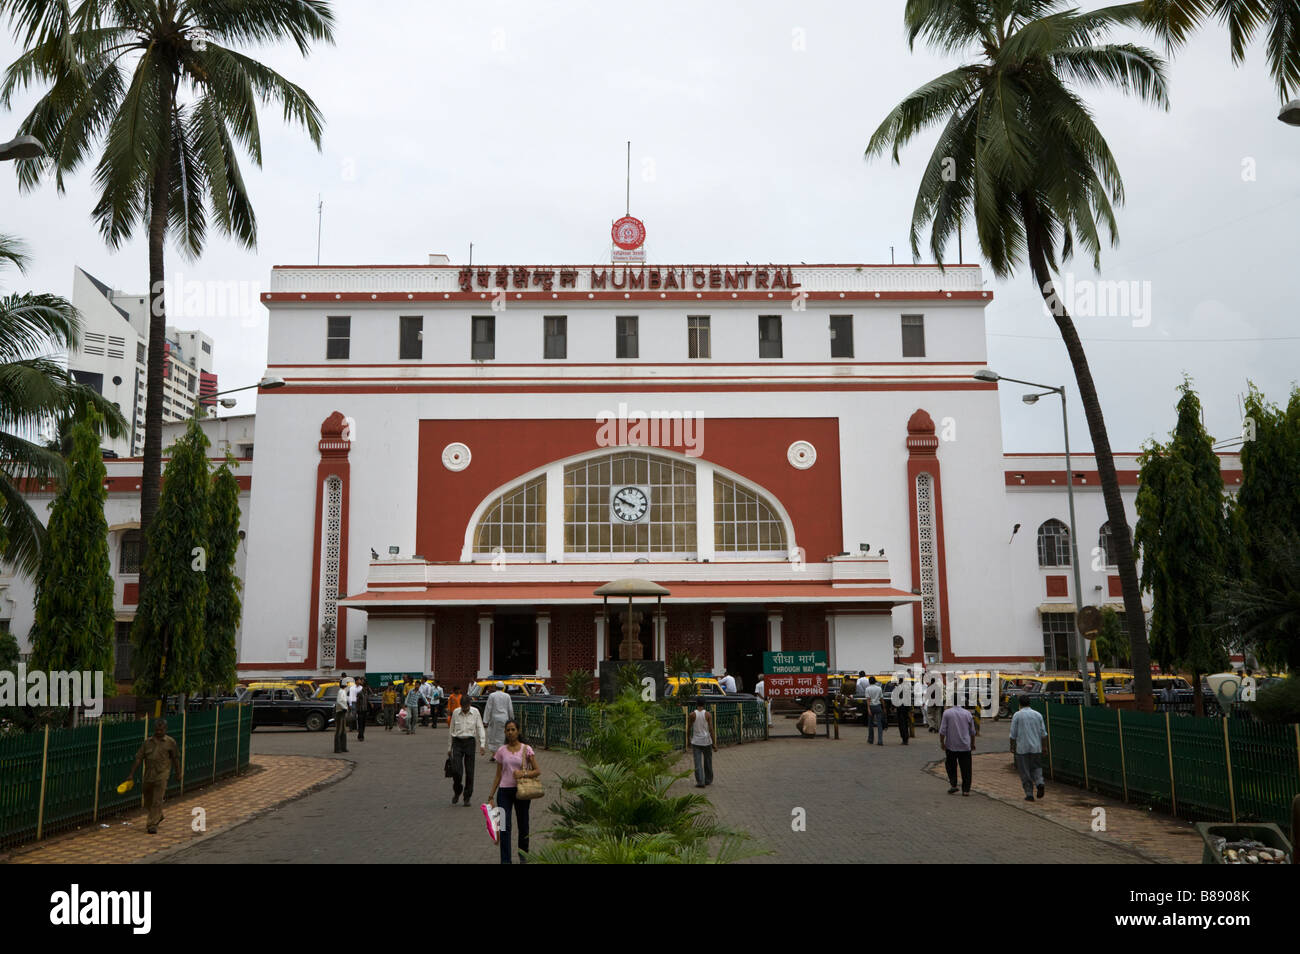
(58, 779)
(1209, 769)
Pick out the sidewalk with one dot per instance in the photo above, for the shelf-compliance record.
(1151, 834)
(270, 780)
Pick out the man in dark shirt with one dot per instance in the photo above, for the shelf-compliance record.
(160, 756)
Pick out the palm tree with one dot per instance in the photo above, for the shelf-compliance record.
(1020, 155)
(1175, 20)
(36, 394)
(158, 87)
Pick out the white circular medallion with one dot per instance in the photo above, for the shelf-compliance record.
(455, 456)
(801, 455)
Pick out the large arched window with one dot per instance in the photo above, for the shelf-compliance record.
(1053, 544)
(744, 521)
(658, 515)
(1106, 544)
(515, 522)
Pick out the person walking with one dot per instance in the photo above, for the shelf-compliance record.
(341, 719)
(703, 743)
(362, 708)
(412, 702)
(760, 690)
(438, 698)
(453, 702)
(902, 700)
(466, 732)
(957, 739)
(515, 760)
(426, 699)
(160, 756)
(875, 712)
(496, 712)
(390, 706)
(1027, 733)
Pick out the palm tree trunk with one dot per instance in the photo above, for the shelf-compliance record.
(151, 478)
(1119, 528)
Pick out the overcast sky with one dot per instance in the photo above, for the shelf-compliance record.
(504, 124)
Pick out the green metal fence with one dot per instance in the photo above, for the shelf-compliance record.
(1200, 769)
(58, 779)
(570, 727)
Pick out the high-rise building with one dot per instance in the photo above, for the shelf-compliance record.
(113, 357)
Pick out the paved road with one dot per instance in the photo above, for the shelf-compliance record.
(860, 804)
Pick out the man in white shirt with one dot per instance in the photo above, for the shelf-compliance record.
(426, 695)
(466, 730)
(496, 713)
(1027, 733)
(760, 690)
(728, 682)
(860, 687)
(341, 719)
(875, 711)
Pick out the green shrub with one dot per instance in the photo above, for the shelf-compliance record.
(1279, 702)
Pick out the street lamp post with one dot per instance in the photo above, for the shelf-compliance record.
(23, 147)
(1069, 488)
(268, 383)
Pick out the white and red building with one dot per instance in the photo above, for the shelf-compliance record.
(799, 454)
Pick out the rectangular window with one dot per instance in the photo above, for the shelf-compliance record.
(697, 337)
(626, 334)
(338, 341)
(769, 336)
(555, 334)
(130, 555)
(410, 337)
(841, 336)
(483, 345)
(1058, 641)
(913, 336)
(207, 348)
(140, 353)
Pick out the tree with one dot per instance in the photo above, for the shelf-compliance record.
(169, 622)
(218, 658)
(73, 628)
(1020, 155)
(1184, 540)
(1112, 646)
(36, 394)
(157, 86)
(1263, 613)
(1175, 21)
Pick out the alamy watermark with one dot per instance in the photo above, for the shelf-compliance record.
(191, 298)
(57, 688)
(1091, 298)
(669, 429)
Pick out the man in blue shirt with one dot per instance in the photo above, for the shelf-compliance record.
(957, 738)
(1027, 733)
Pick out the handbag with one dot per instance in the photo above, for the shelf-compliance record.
(446, 769)
(526, 789)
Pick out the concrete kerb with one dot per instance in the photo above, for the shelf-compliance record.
(347, 766)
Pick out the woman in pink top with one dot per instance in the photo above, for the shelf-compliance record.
(514, 760)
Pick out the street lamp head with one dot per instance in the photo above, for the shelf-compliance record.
(1030, 398)
(228, 402)
(270, 382)
(24, 147)
(1290, 113)
(986, 375)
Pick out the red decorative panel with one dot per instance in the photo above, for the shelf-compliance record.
(688, 629)
(573, 642)
(1057, 586)
(1113, 586)
(455, 655)
(130, 593)
(503, 450)
(803, 626)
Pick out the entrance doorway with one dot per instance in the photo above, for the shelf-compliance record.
(744, 636)
(514, 644)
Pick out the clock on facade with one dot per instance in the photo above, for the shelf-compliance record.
(630, 504)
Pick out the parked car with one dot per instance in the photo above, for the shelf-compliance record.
(282, 707)
(531, 689)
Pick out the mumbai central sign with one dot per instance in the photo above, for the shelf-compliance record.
(657, 278)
